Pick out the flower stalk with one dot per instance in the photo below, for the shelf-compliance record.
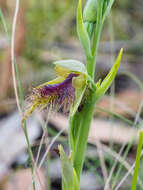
(80, 123)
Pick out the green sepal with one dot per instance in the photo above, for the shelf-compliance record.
(72, 65)
(69, 179)
(101, 89)
(82, 33)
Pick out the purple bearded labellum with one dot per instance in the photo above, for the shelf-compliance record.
(52, 96)
(61, 94)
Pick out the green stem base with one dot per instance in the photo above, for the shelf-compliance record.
(79, 130)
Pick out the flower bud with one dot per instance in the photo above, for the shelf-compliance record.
(90, 11)
(89, 28)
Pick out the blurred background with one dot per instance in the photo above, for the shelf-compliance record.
(45, 32)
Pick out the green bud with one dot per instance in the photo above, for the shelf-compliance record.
(90, 11)
(90, 28)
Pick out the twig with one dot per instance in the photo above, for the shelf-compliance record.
(49, 147)
(13, 55)
(102, 160)
(113, 168)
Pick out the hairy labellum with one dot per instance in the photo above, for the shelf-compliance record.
(60, 94)
(52, 96)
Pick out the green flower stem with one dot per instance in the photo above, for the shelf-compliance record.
(79, 130)
(80, 118)
(73, 131)
(137, 163)
(80, 122)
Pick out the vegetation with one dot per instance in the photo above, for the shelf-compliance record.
(74, 90)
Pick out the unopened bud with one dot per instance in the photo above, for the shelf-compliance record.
(90, 11)
(90, 28)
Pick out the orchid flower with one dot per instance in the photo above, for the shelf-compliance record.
(62, 92)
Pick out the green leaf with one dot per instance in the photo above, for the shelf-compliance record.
(82, 33)
(69, 179)
(137, 163)
(79, 93)
(109, 78)
(76, 182)
(109, 4)
(72, 65)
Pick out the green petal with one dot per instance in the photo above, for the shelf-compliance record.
(80, 84)
(54, 81)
